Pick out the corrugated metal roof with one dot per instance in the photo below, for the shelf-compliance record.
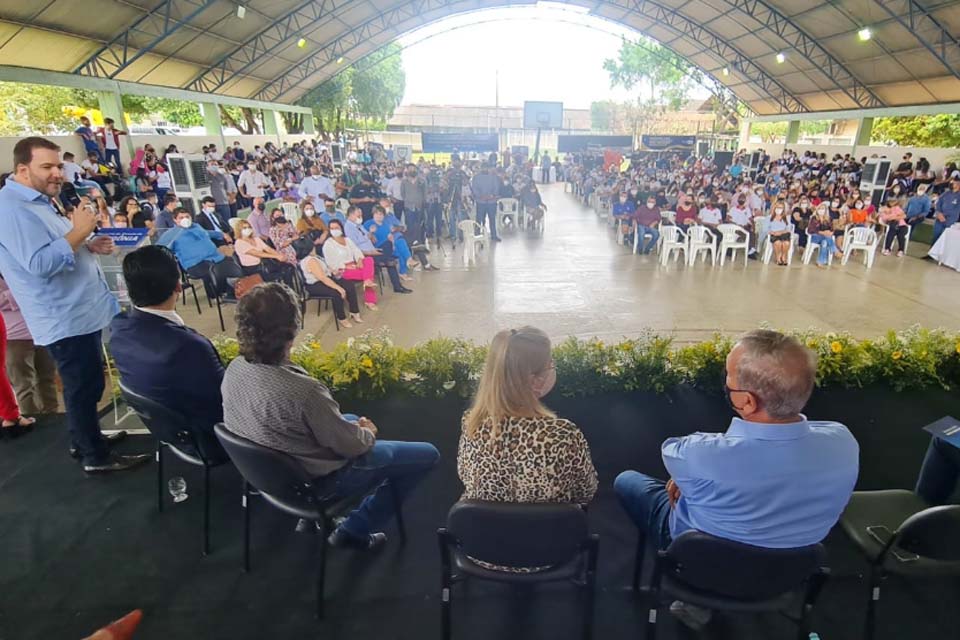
(203, 45)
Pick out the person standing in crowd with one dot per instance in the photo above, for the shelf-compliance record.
(545, 168)
(774, 479)
(157, 355)
(32, 371)
(456, 180)
(413, 193)
(394, 190)
(948, 209)
(365, 194)
(50, 266)
(486, 189)
(89, 139)
(223, 192)
(110, 139)
(252, 183)
(165, 218)
(316, 187)
(278, 405)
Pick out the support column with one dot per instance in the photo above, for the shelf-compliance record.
(864, 131)
(744, 134)
(212, 123)
(111, 106)
(309, 126)
(270, 126)
(793, 131)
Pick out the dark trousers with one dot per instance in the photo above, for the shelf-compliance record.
(224, 213)
(488, 210)
(390, 261)
(645, 501)
(113, 155)
(222, 270)
(320, 289)
(272, 271)
(898, 232)
(939, 473)
(414, 225)
(398, 210)
(434, 220)
(80, 363)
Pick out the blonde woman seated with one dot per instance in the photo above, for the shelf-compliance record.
(514, 449)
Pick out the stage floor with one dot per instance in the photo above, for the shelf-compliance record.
(575, 280)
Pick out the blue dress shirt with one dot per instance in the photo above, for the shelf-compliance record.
(326, 217)
(61, 293)
(949, 206)
(355, 232)
(770, 485)
(193, 245)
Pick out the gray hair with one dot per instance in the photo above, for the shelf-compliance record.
(778, 370)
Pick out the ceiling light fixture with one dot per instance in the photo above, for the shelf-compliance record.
(726, 71)
(865, 34)
(340, 60)
(241, 11)
(781, 58)
(302, 42)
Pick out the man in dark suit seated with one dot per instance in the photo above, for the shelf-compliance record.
(209, 219)
(157, 355)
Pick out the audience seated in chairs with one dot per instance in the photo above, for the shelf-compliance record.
(382, 258)
(895, 218)
(347, 261)
(257, 257)
(194, 248)
(820, 231)
(514, 449)
(209, 218)
(647, 217)
(156, 354)
(276, 404)
(722, 483)
(319, 281)
(710, 215)
(686, 212)
(311, 227)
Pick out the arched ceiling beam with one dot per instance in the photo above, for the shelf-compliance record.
(392, 20)
(807, 46)
(915, 19)
(157, 24)
(266, 42)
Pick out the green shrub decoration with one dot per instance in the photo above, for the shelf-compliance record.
(371, 365)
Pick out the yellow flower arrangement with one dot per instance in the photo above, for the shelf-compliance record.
(836, 347)
(896, 355)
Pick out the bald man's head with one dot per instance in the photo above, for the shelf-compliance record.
(776, 369)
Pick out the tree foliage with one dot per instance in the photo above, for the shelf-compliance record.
(942, 130)
(667, 77)
(370, 89)
(774, 131)
(39, 109)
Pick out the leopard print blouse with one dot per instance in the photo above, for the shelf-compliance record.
(530, 460)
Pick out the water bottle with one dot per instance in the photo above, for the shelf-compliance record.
(178, 489)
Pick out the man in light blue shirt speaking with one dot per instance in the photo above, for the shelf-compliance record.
(774, 479)
(49, 262)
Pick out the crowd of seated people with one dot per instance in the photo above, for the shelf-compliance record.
(698, 192)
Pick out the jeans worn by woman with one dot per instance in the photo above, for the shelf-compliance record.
(828, 246)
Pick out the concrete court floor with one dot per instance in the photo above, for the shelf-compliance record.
(575, 280)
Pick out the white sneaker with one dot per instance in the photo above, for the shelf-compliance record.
(691, 615)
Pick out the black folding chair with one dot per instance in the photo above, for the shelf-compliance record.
(305, 296)
(554, 536)
(185, 284)
(178, 433)
(283, 483)
(900, 534)
(721, 575)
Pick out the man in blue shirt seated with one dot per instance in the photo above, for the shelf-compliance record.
(355, 231)
(161, 358)
(774, 479)
(194, 248)
(948, 210)
(330, 212)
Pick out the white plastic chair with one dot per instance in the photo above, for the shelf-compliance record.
(700, 238)
(860, 239)
(808, 252)
(604, 208)
(636, 239)
(508, 207)
(291, 212)
(473, 236)
(733, 238)
(669, 215)
(883, 229)
(673, 239)
(768, 246)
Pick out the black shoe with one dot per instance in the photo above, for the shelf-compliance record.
(403, 290)
(753, 256)
(112, 439)
(114, 462)
(342, 539)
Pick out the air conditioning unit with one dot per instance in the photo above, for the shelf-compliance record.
(873, 180)
(191, 183)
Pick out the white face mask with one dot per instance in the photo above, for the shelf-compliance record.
(186, 223)
(246, 233)
(336, 233)
(208, 210)
(309, 212)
